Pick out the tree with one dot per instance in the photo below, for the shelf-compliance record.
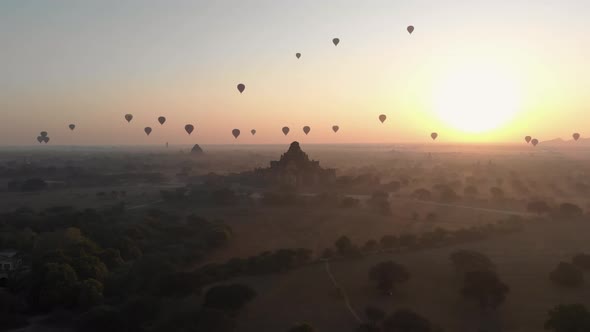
(484, 287)
(343, 245)
(90, 293)
(468, 261)
(374, 315)
(470, 191)
(582, 261)
(405, 320)
(388, 241)
(229, 298)
(570, 211)
(370, 245)
(497, 193)
(448, 195)
(568, 318)
(538, 207)
(57, 285)
(422, 194)
(387, 274)
(302, 328)
(567, 274)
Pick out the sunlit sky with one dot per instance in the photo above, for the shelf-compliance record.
(473, 71)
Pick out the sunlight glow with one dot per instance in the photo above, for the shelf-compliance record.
(477, 98)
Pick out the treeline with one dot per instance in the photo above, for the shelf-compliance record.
(344, 247)
(80, 259)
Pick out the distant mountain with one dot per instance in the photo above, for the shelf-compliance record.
(560, 141)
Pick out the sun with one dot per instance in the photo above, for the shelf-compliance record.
(476, 98)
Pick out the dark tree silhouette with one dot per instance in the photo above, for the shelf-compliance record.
(302, 328)
(422, 194)
(387, 274)
(229, 298)
(570, 211)
(497, 193)
(343, 245)
(538, 207)
(405, 320)
(582, 261)
(567, 274)
(470, 191)
(568, 318)
(374, 315)
(484, 287)
(468, 261)
(389, 241)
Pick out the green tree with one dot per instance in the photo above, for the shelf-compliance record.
(90, 293)
(58, 285)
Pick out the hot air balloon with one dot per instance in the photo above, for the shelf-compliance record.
(434, 136)
(534, 142)
(189, 128)
(241, 87)
(161, 120)
(336, 41)
(576, 136)
(298, 55)
(128, 117)
(40, 139)
(335, 128)
(253, 131)
(46, 139)
(43, 134)
(527, 139)
(410, 29)
(285, 130)
(382, 118)
(236, 133)
(147, 130)
(72, 126)
(306, 130)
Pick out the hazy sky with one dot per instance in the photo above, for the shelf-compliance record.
(91, 62)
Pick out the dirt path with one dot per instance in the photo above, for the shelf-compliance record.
(342, 293)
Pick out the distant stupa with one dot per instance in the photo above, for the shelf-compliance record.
(196, 149)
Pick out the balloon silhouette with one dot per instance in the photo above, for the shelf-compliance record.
(161, 120)
(434, 136)
(576, 136)
(46, 139)
(382, 118)
(534, 142)
(285, 130)
(336, 41)
(72, 126)
(527, 139)
(40, 139)
(236, 133)
(241, 87)
(306, 130)
(189, 128)
(253, 131)
(128, 117)
(298, 55)
(410, 29)
(43, 134)
(147, 130)
(335, 128)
